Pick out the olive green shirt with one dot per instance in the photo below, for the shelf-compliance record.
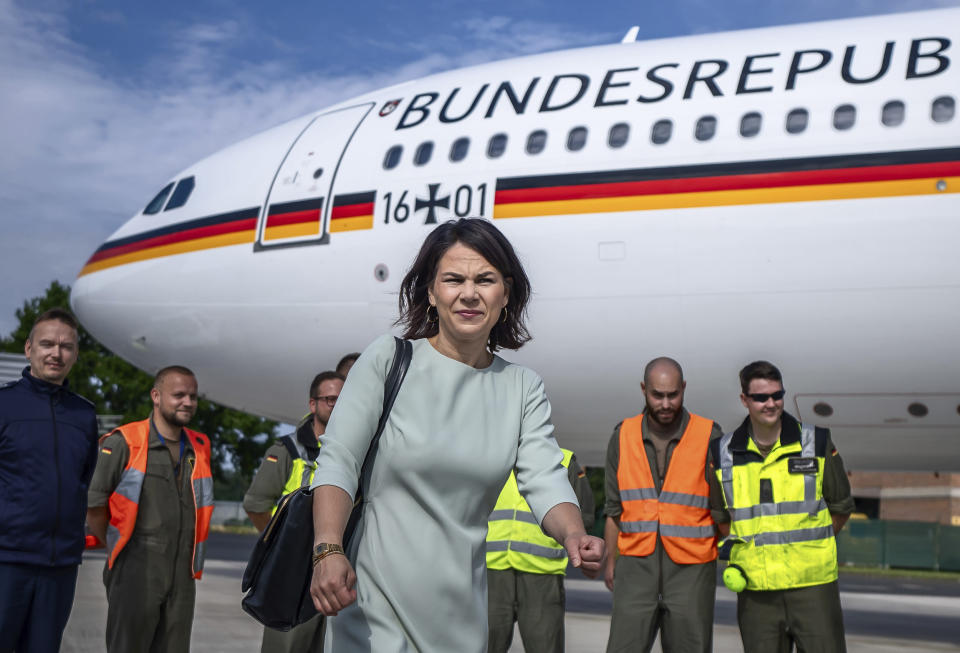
(267, 486)
(166, 515)
(613, 507)
(581, 487)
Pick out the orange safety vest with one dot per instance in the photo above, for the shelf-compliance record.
(681, 512)
(126, 496)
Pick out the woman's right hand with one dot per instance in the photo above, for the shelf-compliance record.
(332, 586)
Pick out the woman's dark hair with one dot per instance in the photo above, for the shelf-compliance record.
(481, 236)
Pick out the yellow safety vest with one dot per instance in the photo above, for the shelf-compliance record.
(779, 522)
(514, 538)
(301, 474)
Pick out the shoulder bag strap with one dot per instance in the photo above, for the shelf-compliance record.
(401, 361)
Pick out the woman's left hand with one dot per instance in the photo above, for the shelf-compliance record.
(586, 552)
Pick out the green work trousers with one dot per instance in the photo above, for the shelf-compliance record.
(149, 603)
(654, 593)
(305, 638)
(810, 617)
(535, 601)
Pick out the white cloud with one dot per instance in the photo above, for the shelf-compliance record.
(83, 151)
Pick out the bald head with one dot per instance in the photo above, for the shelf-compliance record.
(660, 366)
(663, 387)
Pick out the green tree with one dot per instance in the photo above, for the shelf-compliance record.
(118, 388)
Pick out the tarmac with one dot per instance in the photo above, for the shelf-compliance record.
(220, 625)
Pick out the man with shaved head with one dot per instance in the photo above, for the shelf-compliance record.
(150, 502)
(659, 521)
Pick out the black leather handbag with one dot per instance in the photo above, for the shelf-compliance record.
(277, 577)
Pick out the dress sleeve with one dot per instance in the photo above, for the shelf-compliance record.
(354, 419)
(541, 476)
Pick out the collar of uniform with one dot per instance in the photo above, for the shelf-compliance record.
(306, 437)
(44, 387)
(675, 437)
(789, 433)
(156, 440)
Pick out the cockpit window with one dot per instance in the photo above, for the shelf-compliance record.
(180, 194)
(157, 202)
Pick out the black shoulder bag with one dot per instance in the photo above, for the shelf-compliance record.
(277, 577)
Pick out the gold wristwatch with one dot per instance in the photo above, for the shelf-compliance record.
(323, 550)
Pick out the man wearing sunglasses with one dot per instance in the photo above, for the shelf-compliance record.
(779, 490)
(287, 465)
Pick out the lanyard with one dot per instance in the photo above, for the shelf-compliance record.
(183, 444)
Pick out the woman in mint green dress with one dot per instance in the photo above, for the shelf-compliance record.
(414, 577)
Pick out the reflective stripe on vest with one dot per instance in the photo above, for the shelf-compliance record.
(514, 538)
(124, 500)
(301, 472)
(787, 543)
(680, 513)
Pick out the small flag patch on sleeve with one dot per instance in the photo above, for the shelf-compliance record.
(106, 450)
(833, 452)
(271, 459)
(581, 474)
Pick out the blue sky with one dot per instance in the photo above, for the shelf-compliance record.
(103, 101)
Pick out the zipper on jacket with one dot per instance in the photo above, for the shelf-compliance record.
(56, 462)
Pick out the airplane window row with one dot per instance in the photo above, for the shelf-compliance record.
(177, 198)
(844, 117)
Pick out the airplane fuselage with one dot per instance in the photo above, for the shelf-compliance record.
(785, 193)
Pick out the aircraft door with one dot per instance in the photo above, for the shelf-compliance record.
(297, 208)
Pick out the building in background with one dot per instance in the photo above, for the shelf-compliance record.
(908, 496)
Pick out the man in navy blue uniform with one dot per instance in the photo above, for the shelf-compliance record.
(48, 449)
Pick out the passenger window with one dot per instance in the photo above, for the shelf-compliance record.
(392, 157)
(458, 151)
(423, 153)
(497, 146)
(844, 116)
(618, 135)
(157, 202)
(750, 124)
(893, 113)
(661, 132)
(797, 121)
(943, 109)
(706, 128)
(181, 193)
(576, 139)
(536, 141)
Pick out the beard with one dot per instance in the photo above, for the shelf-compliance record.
(666, 420)
(176, 418)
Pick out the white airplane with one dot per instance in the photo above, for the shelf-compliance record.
(785, 193)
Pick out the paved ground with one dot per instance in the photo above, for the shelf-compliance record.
(883, 616)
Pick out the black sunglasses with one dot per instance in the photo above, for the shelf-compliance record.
(761, 397)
